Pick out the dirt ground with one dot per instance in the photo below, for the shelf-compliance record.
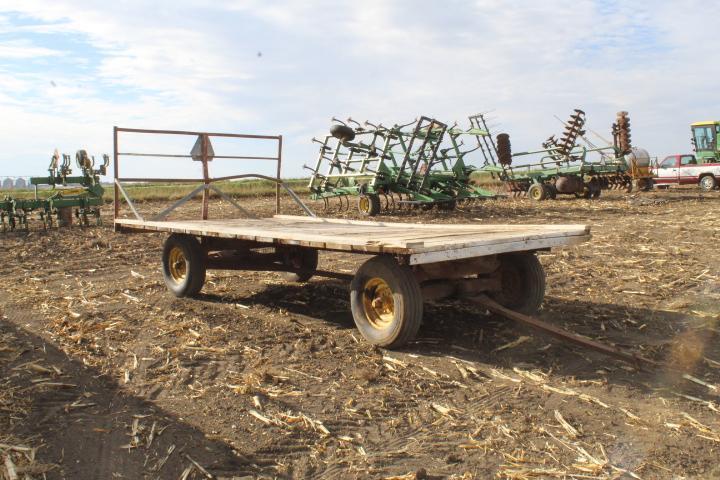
(104, 374)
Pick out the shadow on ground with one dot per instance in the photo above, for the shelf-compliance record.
(91, 428)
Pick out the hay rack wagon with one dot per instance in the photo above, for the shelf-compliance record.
(493, 265)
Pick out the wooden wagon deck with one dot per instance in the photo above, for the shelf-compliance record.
(421, 243)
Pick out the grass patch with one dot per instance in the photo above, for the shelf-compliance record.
(175, 191)
(244, 188)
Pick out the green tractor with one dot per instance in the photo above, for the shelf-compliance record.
(705, 138)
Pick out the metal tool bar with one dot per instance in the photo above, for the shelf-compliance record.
(163, 155)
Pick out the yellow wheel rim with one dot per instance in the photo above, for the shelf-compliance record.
(378, 303)
(536, 193)
(364, 204)
(177, 264)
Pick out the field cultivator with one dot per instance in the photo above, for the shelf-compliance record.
(565, 166)
(420, 164)
(80, 195)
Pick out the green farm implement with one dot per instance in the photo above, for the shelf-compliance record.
(416, 165)
(82, 194)
(706, 140)
(565, 166)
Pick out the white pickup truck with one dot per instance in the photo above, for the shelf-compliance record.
(684, 170)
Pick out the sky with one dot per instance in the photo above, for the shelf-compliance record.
(70, 70)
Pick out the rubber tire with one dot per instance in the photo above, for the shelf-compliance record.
(550, 191)
(707, 183)
(308, 262)
(407, 298)
(196, 265)
(523, 282)
(374, 204)
(537, 192)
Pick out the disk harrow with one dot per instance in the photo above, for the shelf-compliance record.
(418, 165)
(79, 196)
(565, 166)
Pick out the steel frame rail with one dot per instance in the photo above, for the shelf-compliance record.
(206, 181)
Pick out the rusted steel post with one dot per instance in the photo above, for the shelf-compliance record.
(277, 185)
(116, 198)
(206, 177)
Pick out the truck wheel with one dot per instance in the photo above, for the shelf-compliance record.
(369, 204)
(184, 263)
(522, 280)
(708, 183)
(537, 192)
(386, 302)
(303, 259)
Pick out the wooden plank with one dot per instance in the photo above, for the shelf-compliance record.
(430, 226)
(259, 234)
(482, 250)
(477, 240)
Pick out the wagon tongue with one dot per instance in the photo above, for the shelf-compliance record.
(556, 332)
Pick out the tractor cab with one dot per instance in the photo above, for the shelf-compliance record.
(705, 140)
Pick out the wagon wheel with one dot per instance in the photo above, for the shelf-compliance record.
(303, 260)
(386, 302)
(184, 263)
(369, 204)
(522, 281)
(537, 192)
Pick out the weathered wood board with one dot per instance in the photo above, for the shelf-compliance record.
(420, 242)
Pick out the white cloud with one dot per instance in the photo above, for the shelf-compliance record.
(193, 65)
(19, 49)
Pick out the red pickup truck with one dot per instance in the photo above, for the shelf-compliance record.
(684, 169)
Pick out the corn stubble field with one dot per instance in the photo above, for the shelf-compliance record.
(105, 375)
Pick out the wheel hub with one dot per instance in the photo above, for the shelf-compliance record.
(364, 204)
(378, 303)
(177, 264)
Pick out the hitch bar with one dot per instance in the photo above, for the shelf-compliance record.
(560, 333)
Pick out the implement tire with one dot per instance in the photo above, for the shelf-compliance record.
(537, 192)
(369, 204)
